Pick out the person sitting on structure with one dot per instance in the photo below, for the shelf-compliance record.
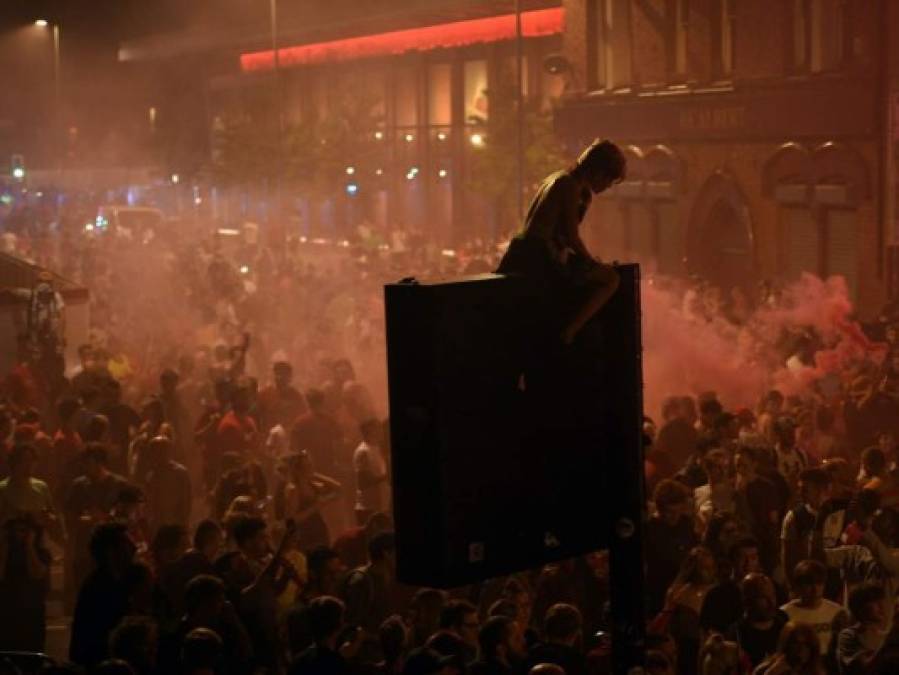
(549, 249)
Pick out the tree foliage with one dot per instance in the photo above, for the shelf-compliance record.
(494, 166)
(316, 150)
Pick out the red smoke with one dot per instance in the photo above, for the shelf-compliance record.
(689, 352)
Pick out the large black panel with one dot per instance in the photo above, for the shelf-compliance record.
(510, 450)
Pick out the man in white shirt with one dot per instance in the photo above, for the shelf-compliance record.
(372, 494)
(718, 495)
(826, 617)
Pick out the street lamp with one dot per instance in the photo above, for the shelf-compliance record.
(279, 93)
(43, 23)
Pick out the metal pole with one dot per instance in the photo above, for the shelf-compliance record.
(57, 99)
(279, 92)
(519, 96)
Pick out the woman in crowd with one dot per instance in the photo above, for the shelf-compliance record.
(798, 653)
(684, 602)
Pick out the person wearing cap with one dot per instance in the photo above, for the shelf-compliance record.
(549, 248)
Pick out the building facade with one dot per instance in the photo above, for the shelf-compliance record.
(424, 70)
(412, 104)
(761, 136)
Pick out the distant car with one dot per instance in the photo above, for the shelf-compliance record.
(129, 221)
(26, 663)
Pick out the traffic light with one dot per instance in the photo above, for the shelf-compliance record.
(17, 167)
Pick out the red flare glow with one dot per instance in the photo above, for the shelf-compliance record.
(536, 23)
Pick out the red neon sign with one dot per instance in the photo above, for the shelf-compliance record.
(536, 23)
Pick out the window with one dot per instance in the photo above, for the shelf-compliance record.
(598, 40)
(822, 241)
(803, 241)
(439, 94)
(818, 41)
(406, 81)
(826, 19)
(510, 70)
(800, 35)
(475, 91)
(725, 60)
(618, 22)
(609, 37)
(680, 38)
(841, 226)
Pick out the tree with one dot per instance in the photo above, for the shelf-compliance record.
(242, 155)
(346, 135)
(317, 149)
(494, 166)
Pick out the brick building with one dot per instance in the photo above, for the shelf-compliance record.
(761, 136)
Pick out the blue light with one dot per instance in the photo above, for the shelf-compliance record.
(352, 189)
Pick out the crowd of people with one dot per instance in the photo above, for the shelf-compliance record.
(212, 479)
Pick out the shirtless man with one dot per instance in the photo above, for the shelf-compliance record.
(550, 248)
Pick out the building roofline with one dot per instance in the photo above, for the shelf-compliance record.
(196, 42)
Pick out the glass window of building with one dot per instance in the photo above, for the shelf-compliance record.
(800, 36)
(597, 38)
(802, 241)
(440, 94)
(842, 247)
(680, 38)
(726, 37)
(406, 95)
(475, 76)
(619, 56)
(826, 19)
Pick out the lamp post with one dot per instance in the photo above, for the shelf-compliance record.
(519, 121)
(57, 117)
(279, 93)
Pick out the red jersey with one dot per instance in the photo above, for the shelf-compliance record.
(236, 433)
